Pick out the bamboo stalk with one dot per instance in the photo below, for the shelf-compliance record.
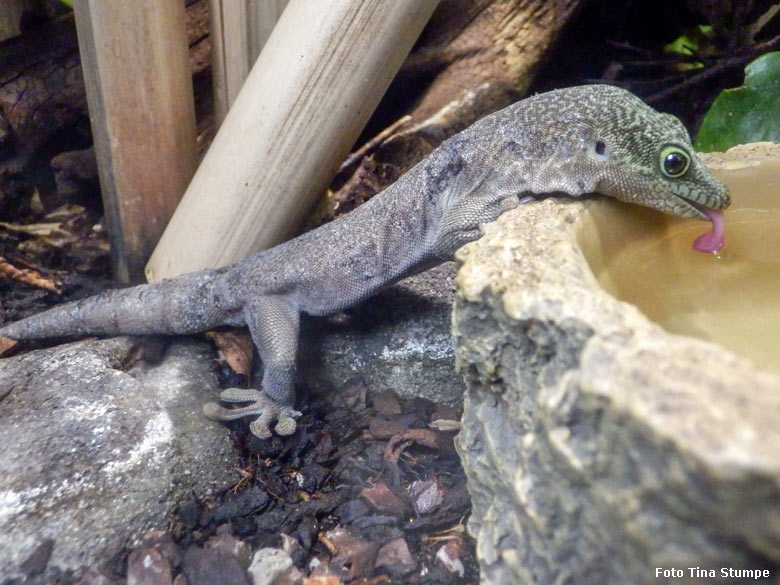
(238, 32)
(263, 16)
(230, 63)
(139, 90)
(311, 91)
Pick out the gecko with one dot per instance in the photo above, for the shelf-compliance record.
(578, 141)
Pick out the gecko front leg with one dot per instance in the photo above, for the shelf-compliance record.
(273, 323)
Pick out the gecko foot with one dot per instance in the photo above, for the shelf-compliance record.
(266, 409)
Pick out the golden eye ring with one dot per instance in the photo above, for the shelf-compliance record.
(675, 161)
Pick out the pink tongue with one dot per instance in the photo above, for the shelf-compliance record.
(712, 241)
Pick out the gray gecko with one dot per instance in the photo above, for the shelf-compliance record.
(576, 141)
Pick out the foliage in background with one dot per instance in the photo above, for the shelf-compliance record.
(696, 41)
(745, 114)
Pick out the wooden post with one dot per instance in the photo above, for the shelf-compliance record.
(238, 32)
(139, 90)
(311, 91)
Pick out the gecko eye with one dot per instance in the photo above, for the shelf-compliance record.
(674, 161)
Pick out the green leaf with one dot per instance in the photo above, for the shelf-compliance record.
(750, 113)
(688, 44)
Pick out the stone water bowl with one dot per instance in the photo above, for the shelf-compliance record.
(622, 414)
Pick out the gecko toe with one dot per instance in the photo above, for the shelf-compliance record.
(286, 424)
(241, 395)
(218, 412)
(259, 428)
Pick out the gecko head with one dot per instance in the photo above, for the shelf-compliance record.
(603, 139)
(642, 156)
(668, 176)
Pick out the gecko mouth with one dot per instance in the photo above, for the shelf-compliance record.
(711, 241)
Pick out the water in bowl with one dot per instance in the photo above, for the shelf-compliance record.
(732, 298)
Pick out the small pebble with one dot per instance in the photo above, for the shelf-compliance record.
(268, 564)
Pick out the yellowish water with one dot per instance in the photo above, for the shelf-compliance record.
(733, 297)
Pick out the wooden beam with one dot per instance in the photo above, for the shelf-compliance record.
(238, 32)
(319, 77)
(139, 90)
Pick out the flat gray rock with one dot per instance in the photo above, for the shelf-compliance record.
(397, 340)
(96, 453)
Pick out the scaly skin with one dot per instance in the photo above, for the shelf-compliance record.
(576, 141)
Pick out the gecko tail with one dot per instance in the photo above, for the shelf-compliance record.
(176, 305)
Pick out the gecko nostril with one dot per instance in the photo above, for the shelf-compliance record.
(601, 148)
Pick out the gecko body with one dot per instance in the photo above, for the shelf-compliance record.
(575, 141)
